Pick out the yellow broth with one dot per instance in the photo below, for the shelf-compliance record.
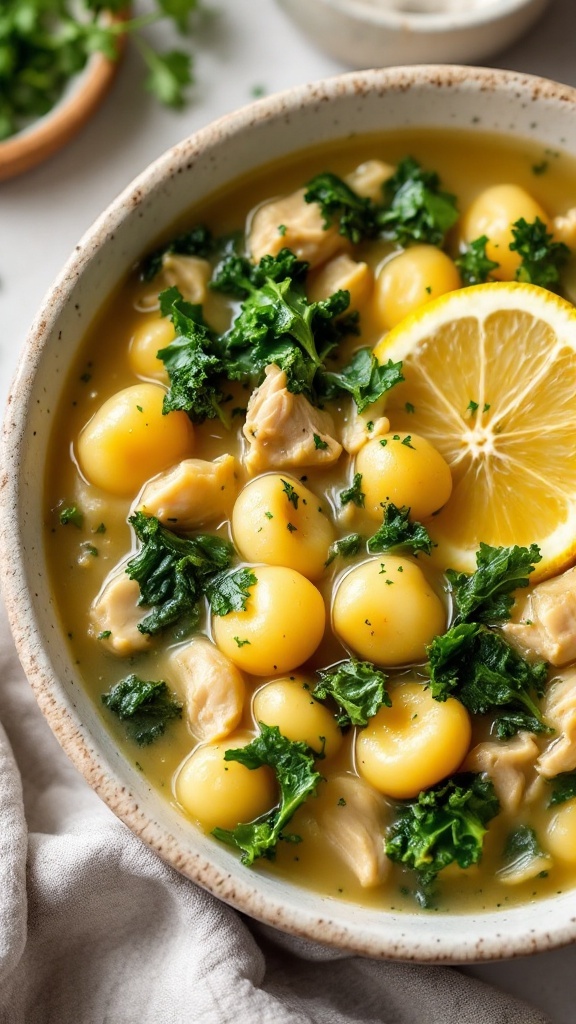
(80, 560)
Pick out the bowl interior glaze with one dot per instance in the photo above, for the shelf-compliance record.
(452, 97)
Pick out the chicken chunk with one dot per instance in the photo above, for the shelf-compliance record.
(507, 763)
(342, 272)
(546, 623)
(115, 615)
(351, 817)
(194, 492)
(564, 228)
(283, 430)
(213, 689)
(362, 427)
(559, 710)
(189, 274)
(367, 179)
(290, 222)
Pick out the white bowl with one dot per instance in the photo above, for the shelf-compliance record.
(378, 33)
(474, 99)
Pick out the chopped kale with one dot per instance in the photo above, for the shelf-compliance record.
(229, 592)
(474, 265)
(487, 594)
(145, 707)
(354, 493)
(193, 365)
(293, 764)
(563, 788)
(480, 668)
(398, 531)
(364, 378)
(173, 572)
(358, 688)
(355, 215)
(199, 241)
(542, 257)
(346, 547)
(444, 825)
(415, 209)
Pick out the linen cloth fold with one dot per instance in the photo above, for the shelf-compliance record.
(96, 929)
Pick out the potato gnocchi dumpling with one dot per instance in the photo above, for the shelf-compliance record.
(492, 214)
(410, 280)
(404, 469)
(281, 627)
(222, 793)
(414, 744)
(289, 704)
(279, 521)
(148, 339)
(128, 440)
(386, 611)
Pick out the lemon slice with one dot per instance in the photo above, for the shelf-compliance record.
(490, 380)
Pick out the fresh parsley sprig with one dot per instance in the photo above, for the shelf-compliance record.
(542, 257)
(474, 265)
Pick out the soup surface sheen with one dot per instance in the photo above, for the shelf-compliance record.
(303, 603)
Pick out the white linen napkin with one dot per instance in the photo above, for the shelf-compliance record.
(96, 929)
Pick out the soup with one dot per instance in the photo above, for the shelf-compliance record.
(261, 551)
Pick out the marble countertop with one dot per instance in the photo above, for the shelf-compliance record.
(245, 46)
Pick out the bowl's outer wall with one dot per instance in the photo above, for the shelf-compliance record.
(339, 108)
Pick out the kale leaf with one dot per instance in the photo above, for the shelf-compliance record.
(416, 210)
(487, 594)
(474, 265)
(364, 378)
(173, 572)
(355, 215)
(145, 707)
(358, 688)
(293, 764)
(541, 256)
(443, 825)
(229, 592)
(346, 547)
(193, 365)
(199, 241)
(398, 531)
(276, 323)
(480, 668)
(563, 788)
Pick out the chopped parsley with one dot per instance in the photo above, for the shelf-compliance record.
(474, 265)
(319, 444)
(542, 257)
(354, 493)
(241, 643)
(291, 494)
(71, 514)
(346, 547)
(398, 531)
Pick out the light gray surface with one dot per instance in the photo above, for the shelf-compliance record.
(247, 43)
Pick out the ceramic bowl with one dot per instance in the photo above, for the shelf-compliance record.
(474, 99)
(376, 33)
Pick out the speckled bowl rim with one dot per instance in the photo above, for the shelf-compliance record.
(438, 938)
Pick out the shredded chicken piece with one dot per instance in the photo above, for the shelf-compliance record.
(290, 222)
(525, 867)
(506, 762)
(191, 493)
(559, 710)
(546, 623)
(213, 689)
(367, 179)
(564, 228)
(189, 274)
(362, 427)
(342, 272)
(116, 611)
(280, 428)
(351, 818)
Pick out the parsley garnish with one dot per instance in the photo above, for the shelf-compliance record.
(241, 643)
(397, 531)
(291, 494)
(346, 547)
(541, 256)
(293, 764)
(358, 688)
(145, 707)
(319, 444)
(353, 493)
(416, 210)
(71, 514)
(474, 265)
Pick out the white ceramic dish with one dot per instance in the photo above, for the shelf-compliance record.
(425, 96)
(378, 33)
